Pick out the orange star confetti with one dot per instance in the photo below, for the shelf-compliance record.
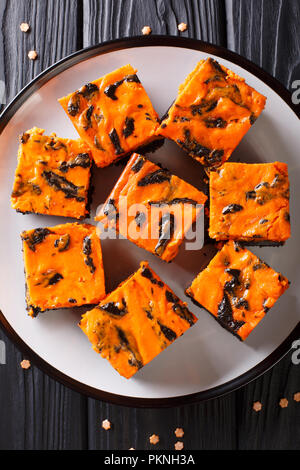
(297, 396)
(106, 424)
(179, 432)
(257, 406)
(284, 403)
(154, 439)
(146, 30)
(182, 27)
(25, 364)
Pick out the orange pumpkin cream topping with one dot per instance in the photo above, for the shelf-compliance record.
(63, 267)
(151, 207)
(52, 176)
(113, 115)
(213, 111)
(137, 321)
(250, 202)
(238, 289)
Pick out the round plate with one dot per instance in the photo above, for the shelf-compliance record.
(207, 361)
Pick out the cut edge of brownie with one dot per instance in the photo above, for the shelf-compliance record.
(90, 192)
(223, 325)
(254, 242)
(166, 113)
(149, 147)
(261, 243)
(39, 310)
(87, 216)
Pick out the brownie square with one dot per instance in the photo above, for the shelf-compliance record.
(136, 322)
(113, 115)
(250, 202)
(63, 267)
(237, 288)
(212, 112)
(159, 207)
(52, 176)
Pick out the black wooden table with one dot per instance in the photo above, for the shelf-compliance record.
(39, 413)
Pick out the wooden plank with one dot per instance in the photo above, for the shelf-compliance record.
(267, 32)
(273, 427)
(208, 425)
(225, 423)
(108, 19)
(53, 35)
(36, 412)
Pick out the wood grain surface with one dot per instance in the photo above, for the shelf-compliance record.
(37, 412)
(267, 32)
(107, 19)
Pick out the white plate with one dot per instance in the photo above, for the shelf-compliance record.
(202, 362)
